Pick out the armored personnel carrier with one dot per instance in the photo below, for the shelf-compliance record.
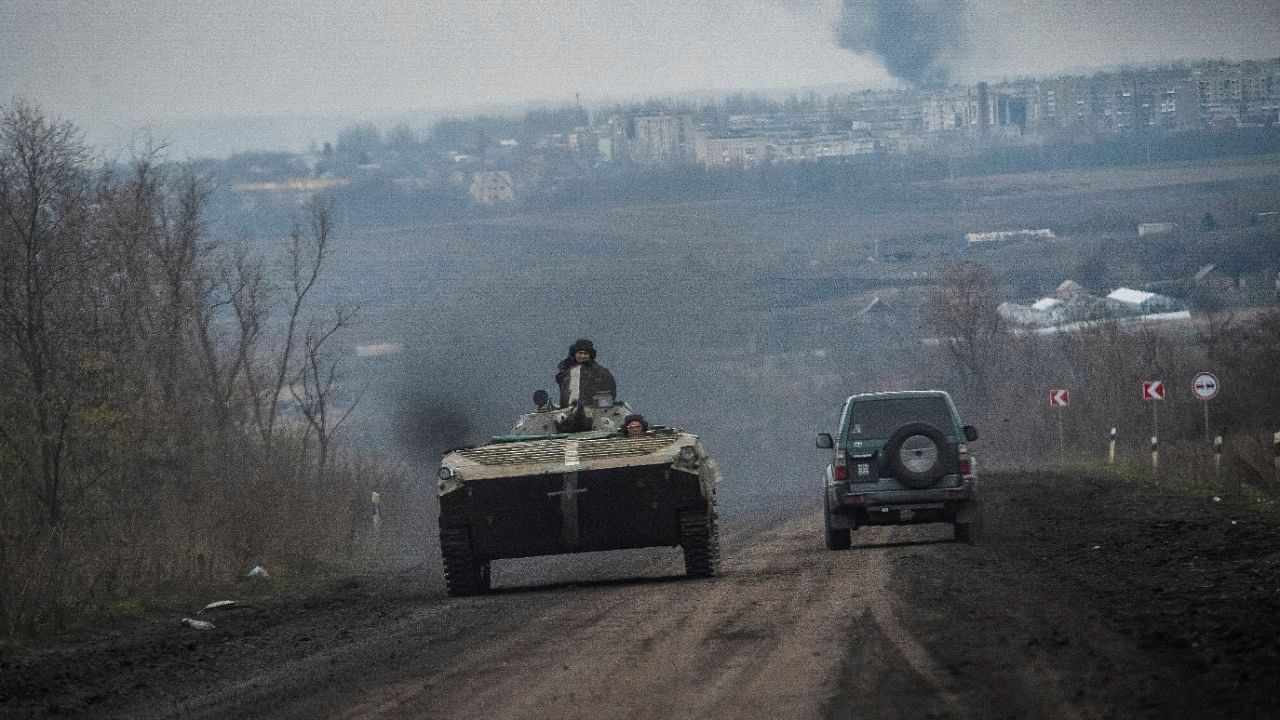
(566, 480)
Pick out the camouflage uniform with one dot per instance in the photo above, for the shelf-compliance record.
(592, 377)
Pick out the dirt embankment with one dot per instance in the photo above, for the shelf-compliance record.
(1087, 598)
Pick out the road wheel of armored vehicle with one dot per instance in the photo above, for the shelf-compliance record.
(700, 540)
(919, 455)
(464, 574)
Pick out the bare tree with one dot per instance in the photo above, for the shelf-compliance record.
(308, 250)
(243, 280)
(313, 387)
(962, 310)
(44, 193)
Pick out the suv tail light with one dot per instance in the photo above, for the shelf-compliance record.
(965, 464)
(839, 467)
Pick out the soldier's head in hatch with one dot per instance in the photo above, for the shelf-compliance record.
(635, 425)
(582, 351)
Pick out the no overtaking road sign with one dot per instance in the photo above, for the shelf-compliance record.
(1204, 386)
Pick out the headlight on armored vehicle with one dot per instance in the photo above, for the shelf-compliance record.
(444, 473)
(688, 454)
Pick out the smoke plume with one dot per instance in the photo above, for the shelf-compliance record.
(918, 40)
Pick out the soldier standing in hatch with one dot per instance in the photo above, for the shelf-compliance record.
(580, 377)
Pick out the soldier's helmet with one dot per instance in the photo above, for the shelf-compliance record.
(583, 344)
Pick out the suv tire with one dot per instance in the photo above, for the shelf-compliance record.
(837, 538)
(969, 530)
(919, 454)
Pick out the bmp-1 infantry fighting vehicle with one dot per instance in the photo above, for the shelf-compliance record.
(567, 480)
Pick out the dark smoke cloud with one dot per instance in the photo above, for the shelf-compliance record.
(918, 40)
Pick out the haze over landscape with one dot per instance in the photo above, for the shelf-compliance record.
(277, 277)
(216, 78)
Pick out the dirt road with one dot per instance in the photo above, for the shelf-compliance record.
(1086, 599)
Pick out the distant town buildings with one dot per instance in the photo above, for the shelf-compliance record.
(1183, 97)
(947, 123)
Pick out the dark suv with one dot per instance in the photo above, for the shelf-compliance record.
(900, 458)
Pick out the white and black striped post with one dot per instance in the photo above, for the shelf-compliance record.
(1275, 451)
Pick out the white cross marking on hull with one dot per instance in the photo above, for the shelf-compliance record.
(569, 534)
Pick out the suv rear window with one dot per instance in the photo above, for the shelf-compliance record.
(879, 418)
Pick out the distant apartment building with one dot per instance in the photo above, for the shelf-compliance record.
(731, 152)
(654, 138)
(1166, 99)
(819, 149)
(755, 150)
(1247, 92)
(952, 112)
(1121, 102)
(980, 108)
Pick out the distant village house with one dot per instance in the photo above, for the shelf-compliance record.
(492, 186)
(1006, 235)
(1161, 228)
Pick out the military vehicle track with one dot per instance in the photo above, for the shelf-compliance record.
(464, 574)
(701, 543)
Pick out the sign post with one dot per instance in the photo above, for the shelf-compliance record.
(1060, 398)
(1154, 390)
(1205, 387)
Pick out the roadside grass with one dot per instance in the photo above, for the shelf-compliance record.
(162, 554)
(1244, 472)
(37, 623)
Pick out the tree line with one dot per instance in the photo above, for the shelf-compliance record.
(167, 400)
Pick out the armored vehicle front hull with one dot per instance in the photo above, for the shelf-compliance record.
(551, 496)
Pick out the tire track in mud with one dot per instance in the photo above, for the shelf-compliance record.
(766, 638)
(881, 611)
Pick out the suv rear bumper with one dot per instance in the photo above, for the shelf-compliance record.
(851, 505)
(855, 494)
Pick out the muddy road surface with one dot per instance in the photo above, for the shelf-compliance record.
(1086, 598)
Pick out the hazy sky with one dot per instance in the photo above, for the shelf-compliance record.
(100, 62)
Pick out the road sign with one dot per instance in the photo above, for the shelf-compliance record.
(1152, 389)
(1059, 397)
(1204, 386)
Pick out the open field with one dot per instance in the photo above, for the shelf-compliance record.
(742, 320)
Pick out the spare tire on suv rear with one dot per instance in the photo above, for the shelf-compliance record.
(920, 455)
